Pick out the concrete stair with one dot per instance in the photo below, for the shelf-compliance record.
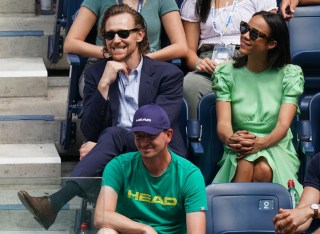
(32, 106)
(23, 77)
(17, 6)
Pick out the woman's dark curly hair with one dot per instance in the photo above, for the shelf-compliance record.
(139, 23)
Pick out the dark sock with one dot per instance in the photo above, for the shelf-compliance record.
(65, 194)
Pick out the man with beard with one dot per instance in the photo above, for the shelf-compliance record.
(114, 89)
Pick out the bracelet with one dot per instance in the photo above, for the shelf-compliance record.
(196, 65)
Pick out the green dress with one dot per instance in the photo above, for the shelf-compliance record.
(256, 99)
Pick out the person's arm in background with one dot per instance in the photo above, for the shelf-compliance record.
(80, 29)
(299, 219)
(224, 125)
(287, 7)
(192, 30)
(178, 48)
(105, 215)
(196, 222)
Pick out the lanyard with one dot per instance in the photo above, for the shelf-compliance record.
(231, 12)
(139, 5)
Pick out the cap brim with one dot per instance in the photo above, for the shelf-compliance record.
(146, 129)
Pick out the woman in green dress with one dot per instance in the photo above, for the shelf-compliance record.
(257, 99)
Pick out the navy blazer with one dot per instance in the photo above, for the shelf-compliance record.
(160, 83)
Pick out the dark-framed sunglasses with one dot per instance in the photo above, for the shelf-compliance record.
(253, 33)
(109, 35)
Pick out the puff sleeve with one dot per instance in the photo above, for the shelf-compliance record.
(293, 84)
(223, 82)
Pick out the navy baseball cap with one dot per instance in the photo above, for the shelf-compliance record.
(150, 119)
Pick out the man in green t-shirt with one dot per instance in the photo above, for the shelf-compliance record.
(153, 190)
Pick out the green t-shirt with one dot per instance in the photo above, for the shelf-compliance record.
(161, 202)
(151, 11)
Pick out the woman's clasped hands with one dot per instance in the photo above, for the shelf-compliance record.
(244, 143)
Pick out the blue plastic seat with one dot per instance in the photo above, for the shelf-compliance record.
(244, 207)
(212, 146)
(305, 50)
(310, 131)
(65, 13)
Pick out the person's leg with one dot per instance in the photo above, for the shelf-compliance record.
(195, 86)
(112, 142)
(244, 172)
(262, 171)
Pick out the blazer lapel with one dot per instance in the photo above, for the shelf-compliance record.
(147, 79)
(114, 102)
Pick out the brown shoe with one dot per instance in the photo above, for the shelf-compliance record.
(39, 207)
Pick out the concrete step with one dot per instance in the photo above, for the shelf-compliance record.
(17, 6)
(33, 45)
(33, 119)
(26, 35)
(29, 43)
(27, 22)
(23, 77)
(20, 161)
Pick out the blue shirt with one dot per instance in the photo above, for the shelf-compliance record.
(128, 96)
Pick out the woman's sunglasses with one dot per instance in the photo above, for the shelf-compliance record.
(253, 33)
(109, 35)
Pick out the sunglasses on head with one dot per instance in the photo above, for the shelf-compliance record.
(253, 33)
(109, 35)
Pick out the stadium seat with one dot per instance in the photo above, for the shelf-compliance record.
(212, 151)
(305, 50)
(183, 121)
(310, 131)
(244, 207)
(65, 13)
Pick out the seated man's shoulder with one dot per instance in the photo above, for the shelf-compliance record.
(129, 156)
(184, 163)
(162, 66)
(97, 66)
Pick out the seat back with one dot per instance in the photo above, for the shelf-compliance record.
(244, 207)
(305, 50)
(212, 146)
(65, 14)
(183, 121)
(314, 117)
(309, 135)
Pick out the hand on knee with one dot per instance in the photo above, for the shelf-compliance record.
(86, 148)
